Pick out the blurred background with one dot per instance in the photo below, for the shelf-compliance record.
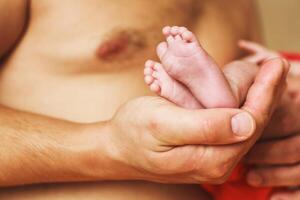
(281, 23)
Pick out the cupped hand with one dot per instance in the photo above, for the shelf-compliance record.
(277, 155)
(152, 139)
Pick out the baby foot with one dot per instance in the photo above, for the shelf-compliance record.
(186, 61)
(161, 83)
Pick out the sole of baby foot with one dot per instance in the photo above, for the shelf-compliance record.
(164, 85)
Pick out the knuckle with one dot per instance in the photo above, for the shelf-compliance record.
(225, 167)
(222, 171)
(220, 179)
(219, 169)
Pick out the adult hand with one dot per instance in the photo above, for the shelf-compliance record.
(151, 139)
(277, 156)
(259, 53)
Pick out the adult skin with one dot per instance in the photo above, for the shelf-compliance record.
(276, 157)
(144, 140)
(55, 71)
(277, 154)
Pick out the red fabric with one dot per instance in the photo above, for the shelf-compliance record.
(236, 188)
(291, 56)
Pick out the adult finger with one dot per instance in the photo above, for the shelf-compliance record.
(251, 46)
(285, 121)
(275, 176)
(255, 58)
(283, 151)
(267, 89)
(260, 101)
(260, 53)
(286, 195)
(224, 126)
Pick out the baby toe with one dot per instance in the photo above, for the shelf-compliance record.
(175, 30)
(148, 71)
(157, 66)
(188, 36)
(182, 29)
(154, 87)
(170, 39)
(155, 74)
(148, 79)
(166, 30)
(161, 49)
(149, 63)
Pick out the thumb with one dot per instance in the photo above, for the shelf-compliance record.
(178, 126)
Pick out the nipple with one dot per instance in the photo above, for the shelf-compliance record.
(119, 44)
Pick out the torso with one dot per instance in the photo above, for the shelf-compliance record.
(57, 70)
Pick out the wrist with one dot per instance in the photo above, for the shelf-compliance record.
(99, 156)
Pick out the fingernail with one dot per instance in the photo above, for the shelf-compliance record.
(242, 124)
(254, 179)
